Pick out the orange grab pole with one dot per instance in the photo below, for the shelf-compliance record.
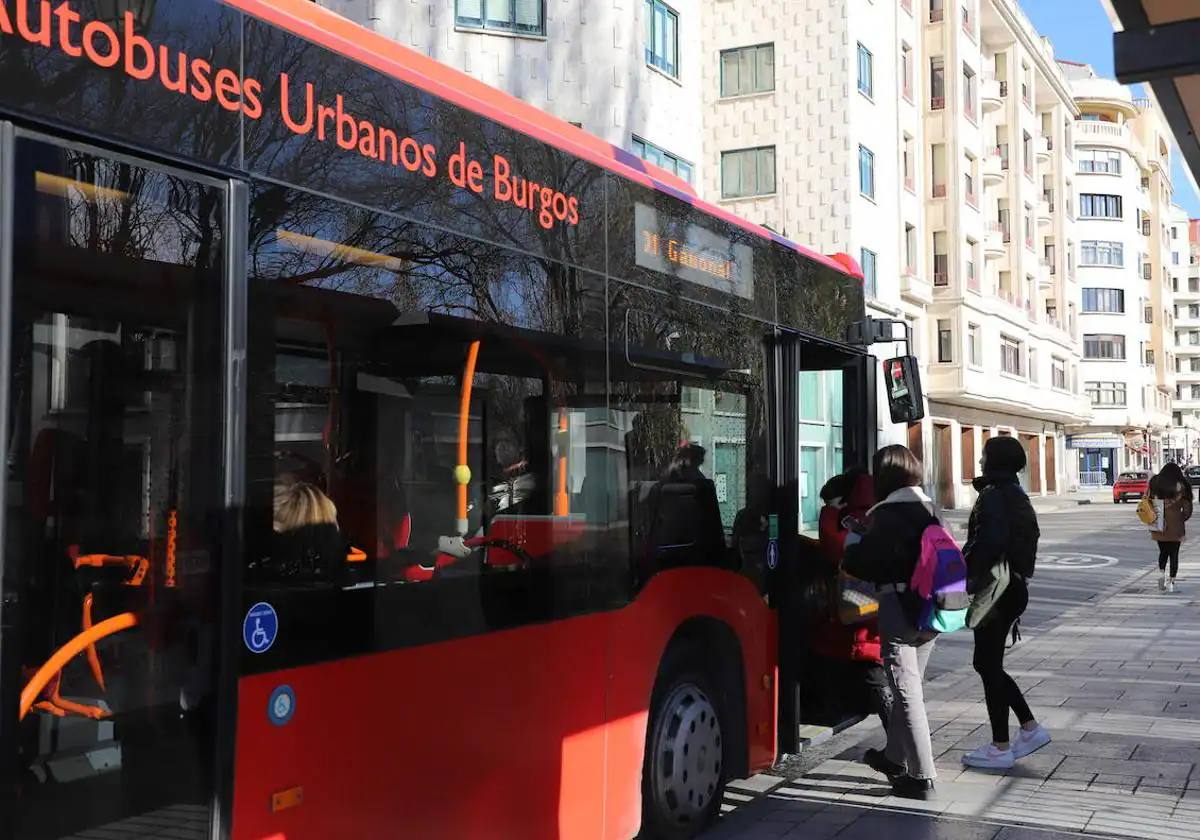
(462, 472)
(172, 535)
(69, 651)
(93, 657)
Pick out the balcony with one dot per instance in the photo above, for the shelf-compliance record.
(1041, 148)
(941, 271)
(992, 171)
(914, 288)
(939, 190)
(937, 103)
(990, 96)
(1045, 210)
(1106, 133)
(1045, 273)
(993, 243)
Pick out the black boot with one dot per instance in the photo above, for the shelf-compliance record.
(880, 763)
(907, 787)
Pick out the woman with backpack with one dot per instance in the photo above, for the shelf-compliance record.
(1002, 537)
(886, 553)
(1172, 493)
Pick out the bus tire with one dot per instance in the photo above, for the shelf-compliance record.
(685, 764)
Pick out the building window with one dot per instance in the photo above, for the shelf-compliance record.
(910, 248)
(662, 36)
(1100, 160)
(525, 17)
(972, 282)
(937, 84)
(1058, 373)
(1099, 252)
(866, 172)
(1027, 152)
(1033, 366)
(746, 172)
(1099, 206)
(973, 347)
(1026, 85)
(906, 71)
(969, 179)
(1103, 301)
(1101, 346)
(969, 92)
(945, 342)
(748, 70)
(866, 72)
(1010, 355)
(661, 157)
(868, 270)
(1105, 393)
(941, 259)
(1147, 355)
(936, 10)
(906, 159)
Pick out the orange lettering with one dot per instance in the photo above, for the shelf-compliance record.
(5, 24)
(560, 206)
(252, 104)
(180, 83)
(573, 210)
(429, 154)
(349, 141)
(366, 145)
(475, 176)
(502, 186)
(134, 44)
(324, 114)
(201, 87)
(410, 154)
(387, 137)
(306, 125)
(229, 89)
(89, 43)
(66, 16)
(42, 36)
(545, 216)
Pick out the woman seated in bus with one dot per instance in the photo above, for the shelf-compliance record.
(307, 545)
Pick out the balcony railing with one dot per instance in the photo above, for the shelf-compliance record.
(936, 15)
(941, 279)
(939, 190)
(937, 103)
(909, 184)
(968, 24)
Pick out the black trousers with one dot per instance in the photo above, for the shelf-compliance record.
(1168, 552)
(1000, 691)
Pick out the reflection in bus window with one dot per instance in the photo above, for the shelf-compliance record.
(821, 438)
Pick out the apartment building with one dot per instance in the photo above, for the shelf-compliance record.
(1185, 433)
(627, 71)
(1128, 270)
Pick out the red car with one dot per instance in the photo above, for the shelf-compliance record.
(1130, 485)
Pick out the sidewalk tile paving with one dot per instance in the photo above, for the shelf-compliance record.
(1117, 683)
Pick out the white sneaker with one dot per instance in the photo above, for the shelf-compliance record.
(1162, 582)
(1171, 585)
(989, 758)
(1030, 741)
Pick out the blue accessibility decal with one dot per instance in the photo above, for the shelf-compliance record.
(282, 705)
(772, 554)
(260, 627)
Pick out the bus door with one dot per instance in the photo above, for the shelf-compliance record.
(112, 494)
(826, 425)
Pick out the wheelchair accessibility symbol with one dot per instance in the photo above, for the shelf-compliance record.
(282, 705)
(260, 627)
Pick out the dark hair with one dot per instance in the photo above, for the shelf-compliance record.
(1170, 482)
(1003, 454)
(895, 467)
(833, 488)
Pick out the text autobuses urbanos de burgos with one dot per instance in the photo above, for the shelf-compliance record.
(59, 25)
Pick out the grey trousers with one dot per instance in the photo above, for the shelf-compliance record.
(905, 655)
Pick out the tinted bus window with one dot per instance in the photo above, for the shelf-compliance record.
(364, 327)
(688, 408)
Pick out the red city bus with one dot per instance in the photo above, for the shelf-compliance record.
(385, 457)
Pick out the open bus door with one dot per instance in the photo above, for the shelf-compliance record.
(826, 411)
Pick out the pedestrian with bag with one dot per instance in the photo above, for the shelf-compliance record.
(1001, 547)
(844, 634)
(886, 554)
(1171, 497)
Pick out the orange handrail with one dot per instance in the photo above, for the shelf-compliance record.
(69, 651)
(462, 472)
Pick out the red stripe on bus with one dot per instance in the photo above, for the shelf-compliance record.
(332, 31)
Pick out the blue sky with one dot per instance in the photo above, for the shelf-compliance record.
(1081, 32)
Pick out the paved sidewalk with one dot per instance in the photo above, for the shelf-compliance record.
(1117, 683)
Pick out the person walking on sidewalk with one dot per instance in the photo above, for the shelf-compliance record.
(1172, 494)
(886, 554)
(1002, 537)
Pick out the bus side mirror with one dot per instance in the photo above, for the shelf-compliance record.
(902, 377)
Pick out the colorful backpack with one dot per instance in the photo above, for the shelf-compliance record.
(939, 581)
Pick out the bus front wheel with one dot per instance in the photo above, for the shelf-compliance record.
(684, 771)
